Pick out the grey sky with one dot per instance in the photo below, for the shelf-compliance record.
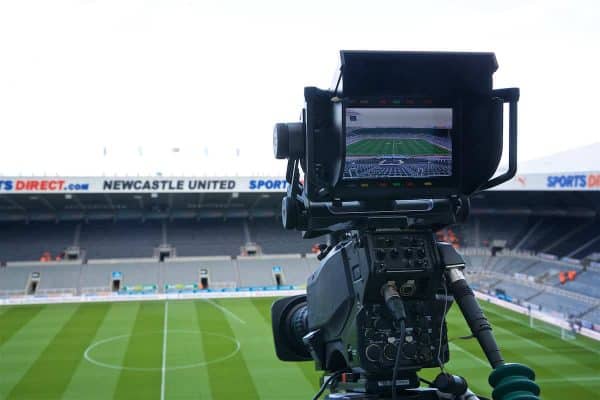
(182, 87)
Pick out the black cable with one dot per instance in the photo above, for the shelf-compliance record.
(439, 354)
(326, 383)
(425, 381)
(398, 352)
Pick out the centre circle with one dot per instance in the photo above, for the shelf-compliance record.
(179, 356)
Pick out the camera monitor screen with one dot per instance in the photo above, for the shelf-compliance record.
(398, 143)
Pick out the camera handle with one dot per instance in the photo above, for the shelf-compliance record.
(510, 381)
(510, 96)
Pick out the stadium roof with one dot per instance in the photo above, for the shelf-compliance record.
(583, 159)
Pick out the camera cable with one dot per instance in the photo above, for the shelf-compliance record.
(439, 354)
(395, 305)
(326, 383)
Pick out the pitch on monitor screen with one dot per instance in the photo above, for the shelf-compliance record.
(398, 142)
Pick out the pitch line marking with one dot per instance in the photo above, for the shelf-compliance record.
(164, 352)
(573, 378)
(89, 358)
(468, 353)
(226, 311)
(508, 317)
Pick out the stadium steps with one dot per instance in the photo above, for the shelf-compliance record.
(535, 295)
(79, 281)
(564, 238)
(490, 262)
(236, 268)
(528, 234)
(589, 310)
(161, 277)
(579, 252)
(495, 283)
(543, 278)
(77, 235)
(529, 266)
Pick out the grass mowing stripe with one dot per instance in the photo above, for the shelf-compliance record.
(408, 147)
(186, 349)
(516, 346)
(263, 306)
(19, 352)
(14, 318)
(229, 379)
(164, 351)
(49, 376)
(512, 326)
(144, 350)
(259, 353)
(531, 347)
(592, 345)
(93, 382)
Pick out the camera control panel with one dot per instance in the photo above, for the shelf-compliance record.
(402, 252)
(381, 342)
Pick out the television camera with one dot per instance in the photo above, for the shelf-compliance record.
(389, 156)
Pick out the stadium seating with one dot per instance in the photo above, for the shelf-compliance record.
(209, 237)
(221, 271)
(98, 273)
(60, 276)
(14, 279)
(209, 244)
(27, 242)
(259, 272)
(102, 239)
(269, 234)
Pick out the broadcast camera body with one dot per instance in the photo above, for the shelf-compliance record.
(389, 156)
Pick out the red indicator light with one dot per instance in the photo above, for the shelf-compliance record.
(410, 184)
(382, 184)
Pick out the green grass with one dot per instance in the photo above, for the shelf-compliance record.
(405, 147)
(42, 353)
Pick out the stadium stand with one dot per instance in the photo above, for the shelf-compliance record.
(98, 273)
(13, 280)
(515, 249)
(209, 237)
(130, 239)
(220, 270)
(29, 241)
(576, 238)
(275, 240)
(261, 272)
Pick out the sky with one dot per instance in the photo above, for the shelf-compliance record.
(120, 87)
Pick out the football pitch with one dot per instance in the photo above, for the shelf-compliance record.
(223, 349)
(405, 147)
